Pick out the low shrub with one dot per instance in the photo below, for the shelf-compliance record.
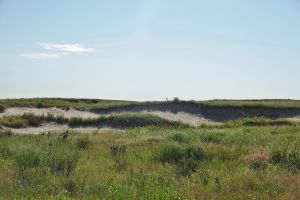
(5, 151)
(287, 157)
(13, 122)
(6, 133)
(180, 138)
(32, 120)
(118, 149)
(212, 137)
(76, 121)
(2, 108)
(218, 183)
(28, 158)
(62, 162)
(82, 143)
(70, 186)
(185, 157)
(171, 153)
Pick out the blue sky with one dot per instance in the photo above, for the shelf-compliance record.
(150, 50)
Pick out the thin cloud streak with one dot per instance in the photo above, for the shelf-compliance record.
(68, 48)
(40, 56)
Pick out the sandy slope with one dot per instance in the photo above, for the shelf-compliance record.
(52, 127)
(56, 111)
(187, 118)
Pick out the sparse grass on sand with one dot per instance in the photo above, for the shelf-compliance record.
(124, 120)
(241, 160)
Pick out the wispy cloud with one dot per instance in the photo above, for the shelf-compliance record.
(58, 49)
(40, 56)
(68, 48)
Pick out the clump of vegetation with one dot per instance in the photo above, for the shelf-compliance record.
(2, 108)
(118, 151)
(28, 158)
(180, 138)
(62, 163)
(176, 100)
(124, 121)
(218, 183)
(5, 133)
(258, 161)
(5, 151)
(82, 143)
(259, 121)
(286, 156)
(185, 157)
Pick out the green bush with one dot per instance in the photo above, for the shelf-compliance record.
(118, 149)
(287, 157)
(62, 162)
(2, 108)
(180, 138)
(185, 157)
(28, 158)
(212, 137)
(6, 133)
(175, 153)
(82, 143)
(33, 120)
(76, 121)
(13, 122)
(5, 151)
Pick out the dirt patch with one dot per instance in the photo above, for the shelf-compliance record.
(183, 117)
(68, 113)
(52, 127)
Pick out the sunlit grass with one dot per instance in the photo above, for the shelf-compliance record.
(156, 162)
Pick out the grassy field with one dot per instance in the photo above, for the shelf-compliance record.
(62, 103)
(272, 103)
(249, 159)
(100, 103)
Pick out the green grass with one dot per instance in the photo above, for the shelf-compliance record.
(124, 120)
(270, 103)
(62, 103)
(256, 161)
(101, 103)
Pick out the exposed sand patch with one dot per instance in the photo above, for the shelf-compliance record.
(52, 127)
(190, 117)
(68, 113)
(183, 117)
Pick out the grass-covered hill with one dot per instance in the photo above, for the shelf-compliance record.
(100, 103)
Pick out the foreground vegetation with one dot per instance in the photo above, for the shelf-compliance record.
(249, 159)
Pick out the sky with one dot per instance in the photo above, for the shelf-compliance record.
(151, 49)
